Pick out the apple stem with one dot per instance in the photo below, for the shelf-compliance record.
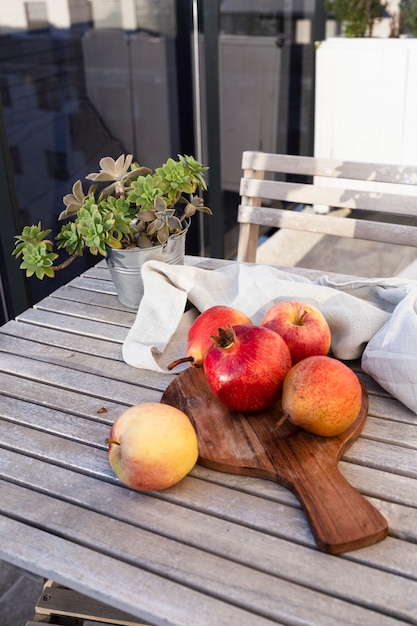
(280, 422)
(185, 359)
(109, 441)
(302, 316)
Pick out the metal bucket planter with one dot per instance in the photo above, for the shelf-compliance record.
(126, 266)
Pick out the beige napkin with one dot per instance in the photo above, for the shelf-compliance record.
(372, 318)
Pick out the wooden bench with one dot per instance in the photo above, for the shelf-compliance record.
(275, 186)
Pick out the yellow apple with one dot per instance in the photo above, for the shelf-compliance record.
(322, 395)
(302, 326)
(152, 446)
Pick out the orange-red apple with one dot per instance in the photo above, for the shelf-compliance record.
(152, 446)
(206, 325)
(302, 326)
(322, 395)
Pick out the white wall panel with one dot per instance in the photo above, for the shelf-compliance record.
(366, 100)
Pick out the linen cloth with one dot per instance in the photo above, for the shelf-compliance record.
(371, 319)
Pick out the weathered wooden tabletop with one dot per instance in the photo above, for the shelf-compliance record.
(215, 549)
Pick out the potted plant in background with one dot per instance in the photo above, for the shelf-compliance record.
(408, 18)
(357, 18)
(130, 215)
(360, 18)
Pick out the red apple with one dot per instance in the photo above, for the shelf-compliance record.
(302, 326)
(152, 446)
(245, 367)
(322, 395)
(207, 324)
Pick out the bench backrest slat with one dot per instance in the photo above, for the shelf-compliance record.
(373, 187)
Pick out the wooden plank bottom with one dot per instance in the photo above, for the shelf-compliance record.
(60, 602)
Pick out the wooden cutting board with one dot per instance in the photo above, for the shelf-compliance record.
(250, 444)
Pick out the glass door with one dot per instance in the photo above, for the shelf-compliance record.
(82, 80)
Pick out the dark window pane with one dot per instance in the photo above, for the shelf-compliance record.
(47, 93)
(16, 160)
(57, 165)
(5, 91)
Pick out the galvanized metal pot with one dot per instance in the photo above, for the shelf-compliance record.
(126, 266)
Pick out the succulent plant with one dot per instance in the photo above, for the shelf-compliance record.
(137, 208)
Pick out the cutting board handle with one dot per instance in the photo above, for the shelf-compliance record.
(341, 519)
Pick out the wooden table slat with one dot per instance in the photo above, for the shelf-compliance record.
(74, 324)
(84, 310)
(75, 292)
(39, 394)
(58, 375)
(161, 600)
(96, 281)
(115, 369)
(52, 337)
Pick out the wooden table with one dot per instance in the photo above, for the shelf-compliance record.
(215, 549)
